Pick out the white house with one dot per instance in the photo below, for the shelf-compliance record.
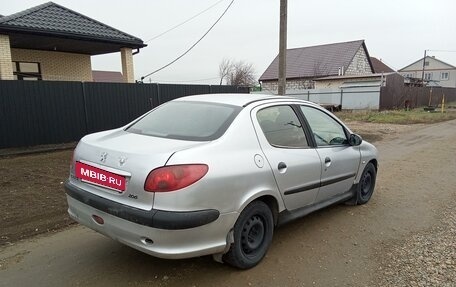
(435, 70)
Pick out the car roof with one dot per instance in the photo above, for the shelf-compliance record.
(241, 100)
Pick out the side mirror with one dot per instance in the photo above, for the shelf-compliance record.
(355, 140)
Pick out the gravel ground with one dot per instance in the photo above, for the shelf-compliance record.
(425, 259)
(374, 132)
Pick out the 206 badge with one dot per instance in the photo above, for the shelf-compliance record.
(122, 160)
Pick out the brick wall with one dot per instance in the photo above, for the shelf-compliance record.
(57, 66)
(359, 64)
(300, 84)
(6, 68)
(127, 65)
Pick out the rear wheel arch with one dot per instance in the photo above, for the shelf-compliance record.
(269, 196)
(273, 205)
(252, 235)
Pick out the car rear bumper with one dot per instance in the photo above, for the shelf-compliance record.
(170, 244)
(161, 219)
(206, 239)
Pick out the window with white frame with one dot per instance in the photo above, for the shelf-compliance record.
(444, 76)
(428, 76)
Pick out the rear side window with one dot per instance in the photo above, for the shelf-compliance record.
(282, 127)
(193, 121)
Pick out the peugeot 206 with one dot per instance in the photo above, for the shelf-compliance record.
(216, 174)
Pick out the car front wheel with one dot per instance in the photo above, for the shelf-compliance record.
(252, 236)
(366, 184)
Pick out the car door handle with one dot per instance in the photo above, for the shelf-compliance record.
(282, 166)
(327, 162)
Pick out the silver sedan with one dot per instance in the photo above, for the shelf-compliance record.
(215, 174)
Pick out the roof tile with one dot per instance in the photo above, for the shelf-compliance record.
(379, 66)
(53, 18)
(315, 61)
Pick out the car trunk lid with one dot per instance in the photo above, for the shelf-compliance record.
(115, 164)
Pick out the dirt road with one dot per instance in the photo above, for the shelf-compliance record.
(339, 246)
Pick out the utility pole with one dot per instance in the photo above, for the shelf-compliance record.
(422, 77)
(283, 48)
(424, 62)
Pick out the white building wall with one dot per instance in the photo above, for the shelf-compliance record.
(434, 70)
(336, 83)
(359, 64)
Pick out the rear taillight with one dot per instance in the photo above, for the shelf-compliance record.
(174, 177)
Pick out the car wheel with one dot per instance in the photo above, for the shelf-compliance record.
(366, 184)
(252, 236)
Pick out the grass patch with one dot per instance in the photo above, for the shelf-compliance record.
(416, 116)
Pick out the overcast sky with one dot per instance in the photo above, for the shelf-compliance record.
(396, 31)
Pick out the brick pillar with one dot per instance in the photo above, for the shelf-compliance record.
(127, 65)
(6, 64)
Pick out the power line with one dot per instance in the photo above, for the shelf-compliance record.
(449, 51)
(182, 23)
(191, 47)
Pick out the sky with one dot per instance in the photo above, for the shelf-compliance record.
(395, 31)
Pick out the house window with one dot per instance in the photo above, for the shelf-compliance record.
(27, 71)
(428, 76)
(445, 76)
(426, 63)
(408, 75)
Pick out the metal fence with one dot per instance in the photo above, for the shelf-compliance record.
(398, 97)
(356, 98)
(393, 95)
(50, 112)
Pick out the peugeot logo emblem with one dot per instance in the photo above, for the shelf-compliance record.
(103, 156)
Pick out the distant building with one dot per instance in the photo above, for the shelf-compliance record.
(339, 82)
(51, 42)
(379, 66)
(107, 77)
(306, 64)
(436, 72)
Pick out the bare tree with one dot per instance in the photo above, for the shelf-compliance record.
(225, 68)
(237, 73)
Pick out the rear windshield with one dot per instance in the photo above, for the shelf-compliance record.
(193, 121)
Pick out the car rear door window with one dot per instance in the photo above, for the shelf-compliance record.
(326, 130)
(282, 127)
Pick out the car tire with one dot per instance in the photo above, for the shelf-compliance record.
(252, 236)
(366, 184)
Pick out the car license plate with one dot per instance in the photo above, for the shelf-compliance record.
(99, 176)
